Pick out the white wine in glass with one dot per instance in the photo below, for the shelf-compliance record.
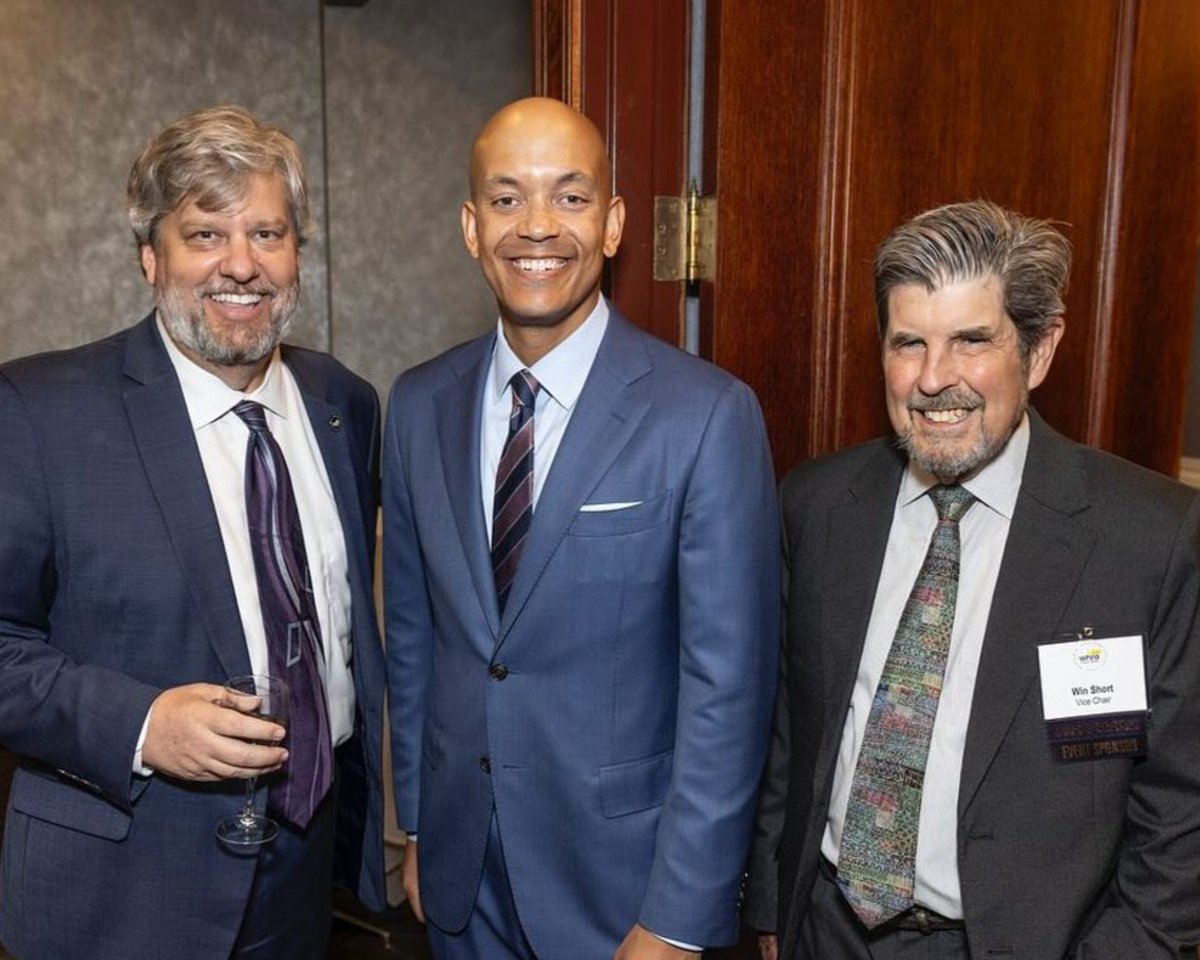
(259, 696)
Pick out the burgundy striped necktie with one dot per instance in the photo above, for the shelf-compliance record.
(290, 618)
(512, 508)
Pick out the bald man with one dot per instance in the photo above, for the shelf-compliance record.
(581, 580)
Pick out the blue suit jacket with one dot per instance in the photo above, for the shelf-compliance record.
(624, 742)
(115, 586)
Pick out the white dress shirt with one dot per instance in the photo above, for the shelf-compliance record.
(562, 373)
(983, 533)
(222, 439)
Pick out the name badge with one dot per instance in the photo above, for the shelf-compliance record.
(1094, 697)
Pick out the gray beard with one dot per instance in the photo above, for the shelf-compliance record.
(949, 467)
(182, 313)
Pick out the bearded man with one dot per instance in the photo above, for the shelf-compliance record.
(184, 502)
(985, 741)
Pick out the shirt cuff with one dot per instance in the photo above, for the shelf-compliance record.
(140, 768)
(675, 943)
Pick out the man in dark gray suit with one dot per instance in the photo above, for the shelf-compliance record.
(134, 583)
(986, 741)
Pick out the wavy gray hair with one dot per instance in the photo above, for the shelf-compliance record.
(968, 241)
(208, 156)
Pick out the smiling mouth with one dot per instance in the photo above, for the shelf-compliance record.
(952, 415)
(237, 299)
(539, 264)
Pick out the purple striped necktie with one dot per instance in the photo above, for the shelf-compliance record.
(290, 618)
(877, 859)
(512, 508)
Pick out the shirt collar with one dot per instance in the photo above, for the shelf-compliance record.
(997, 483)
(208, 397)
(561, 372)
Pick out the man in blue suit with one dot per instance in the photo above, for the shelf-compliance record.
(129, 591)
(582, 594)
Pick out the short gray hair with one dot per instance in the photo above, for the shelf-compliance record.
(974, 240)
(208, 156)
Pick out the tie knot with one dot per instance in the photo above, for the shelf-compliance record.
(252, 415)
(951, 501)
(525, 388)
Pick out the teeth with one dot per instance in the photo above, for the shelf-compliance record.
(541, 265)
(946, 416)
(241, 299)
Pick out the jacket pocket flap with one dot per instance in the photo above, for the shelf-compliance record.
(66, 805)
(636, 785)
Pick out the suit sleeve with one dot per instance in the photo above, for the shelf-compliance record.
(761, 911)
(408, 616)
(1151, 908)
(729, 618)
(81, 720)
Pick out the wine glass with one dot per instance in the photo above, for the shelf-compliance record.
(265, 697)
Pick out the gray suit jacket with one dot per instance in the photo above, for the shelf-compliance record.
(1099, 859)
(113, 586)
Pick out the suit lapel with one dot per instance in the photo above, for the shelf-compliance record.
(1045, 555)
(858, 534)
(167, 445)
(326, 420)
(604, 418)
(459, 411)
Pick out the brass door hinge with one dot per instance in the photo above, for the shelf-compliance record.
(685, 237)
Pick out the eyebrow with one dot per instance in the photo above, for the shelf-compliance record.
(570, 177)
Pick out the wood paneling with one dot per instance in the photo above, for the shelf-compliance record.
(829, 122)
(625, 66)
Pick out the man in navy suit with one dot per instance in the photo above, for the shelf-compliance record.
(129, 591)
(579, 652)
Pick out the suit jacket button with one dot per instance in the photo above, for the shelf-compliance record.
(497, 671)
(485, 764)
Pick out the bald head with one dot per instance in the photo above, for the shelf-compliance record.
(541, 220)
(545, 130)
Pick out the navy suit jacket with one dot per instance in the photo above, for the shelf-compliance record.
(621, 743)
(1098, 860)
(115, 586)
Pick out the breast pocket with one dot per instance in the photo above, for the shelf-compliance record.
(628, 544)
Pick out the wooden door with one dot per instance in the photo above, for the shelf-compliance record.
(828, 122)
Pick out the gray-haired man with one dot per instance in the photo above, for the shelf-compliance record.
(986, 742)
(154, 544)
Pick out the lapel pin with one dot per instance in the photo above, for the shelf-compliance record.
(335, 422)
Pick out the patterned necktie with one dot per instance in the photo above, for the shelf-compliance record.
(877, 860)
(512, 508)
(290, 618)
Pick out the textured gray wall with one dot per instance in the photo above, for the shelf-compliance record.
(84, 85)
(408, 84)
(388, 95)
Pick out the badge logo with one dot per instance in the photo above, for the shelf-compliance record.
(1089, 655)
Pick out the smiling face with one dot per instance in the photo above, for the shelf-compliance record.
(227, 283)
(957, 380)
(541, 219)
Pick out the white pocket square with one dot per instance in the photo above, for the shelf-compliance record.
(608, 507)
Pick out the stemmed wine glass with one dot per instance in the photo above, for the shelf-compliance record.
(265, 697)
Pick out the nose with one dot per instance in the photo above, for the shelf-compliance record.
(239, 262)
(539, 222)
(938, 371)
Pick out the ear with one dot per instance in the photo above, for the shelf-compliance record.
(614, 226)
(469, 231)
(1041, 354)
(149, 262)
